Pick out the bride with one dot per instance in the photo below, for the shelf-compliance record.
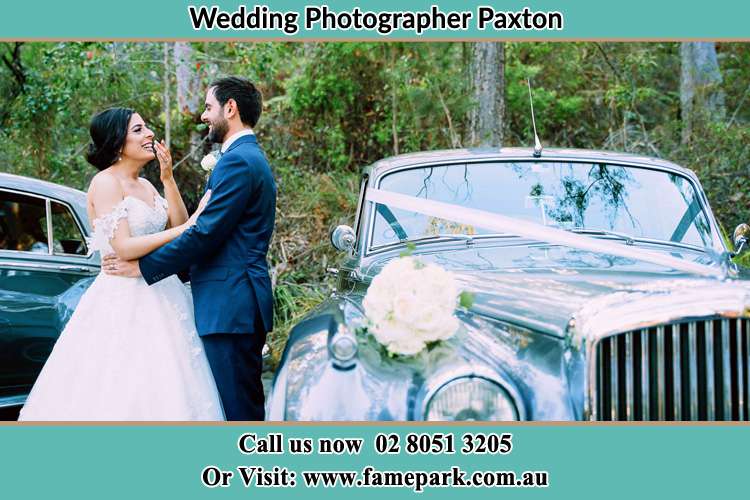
(130, 351)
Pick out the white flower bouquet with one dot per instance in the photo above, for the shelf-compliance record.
(410, 305)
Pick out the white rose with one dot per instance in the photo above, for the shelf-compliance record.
(389, 332)
(445, 330)
(208, 162)
(406, 346)
(410, 304)
(377, 303)
(406, 307)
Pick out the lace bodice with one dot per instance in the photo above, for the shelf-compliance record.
(142, 219)
(130, 350)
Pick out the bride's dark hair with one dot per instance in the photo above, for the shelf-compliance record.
(108, 130)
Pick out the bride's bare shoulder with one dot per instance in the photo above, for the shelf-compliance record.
(103, 182)
(104, 190)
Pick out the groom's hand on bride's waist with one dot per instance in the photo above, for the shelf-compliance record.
(115, 266)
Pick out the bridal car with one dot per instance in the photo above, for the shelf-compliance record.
(45, 266)
(600, 288)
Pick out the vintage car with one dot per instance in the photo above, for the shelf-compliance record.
(45, 265)
(602, 288)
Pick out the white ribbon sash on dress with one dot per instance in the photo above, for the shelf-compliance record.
(532, 230)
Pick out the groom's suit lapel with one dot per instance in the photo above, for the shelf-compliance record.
(242, 140)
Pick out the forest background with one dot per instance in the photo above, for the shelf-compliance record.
(332, 108)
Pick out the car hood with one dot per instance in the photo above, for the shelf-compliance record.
(532, 304)
(550, 288)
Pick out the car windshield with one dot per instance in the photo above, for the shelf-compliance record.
(582, 197)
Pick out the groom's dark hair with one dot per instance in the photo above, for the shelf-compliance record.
(248, 98)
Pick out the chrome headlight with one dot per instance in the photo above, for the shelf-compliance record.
(342, 347)
(470, 398)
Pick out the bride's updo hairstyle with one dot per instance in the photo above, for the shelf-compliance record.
(108, 131)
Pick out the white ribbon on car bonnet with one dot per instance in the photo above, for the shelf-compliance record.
(532, 230)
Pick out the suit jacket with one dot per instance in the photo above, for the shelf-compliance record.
(226, 249)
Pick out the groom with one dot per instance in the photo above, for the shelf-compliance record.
(226, 251)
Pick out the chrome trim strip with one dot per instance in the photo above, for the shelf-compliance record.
(358, 215)
(740, 372)
(645, 378)
(747, 365)
(614, 381)
(13, 253)
(25, 193)
(630, 401)
(676, 372)
(10, 401)
(50, 240)
(591, 392)
(746, 323)
(93, 269)
(726, 370)
(598, 407)
(710, 398)
(693, 370)
(661, 374)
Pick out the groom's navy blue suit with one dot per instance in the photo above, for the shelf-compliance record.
(226, 253)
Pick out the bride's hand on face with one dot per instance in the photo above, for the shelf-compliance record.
(165, 161)
(201, 206)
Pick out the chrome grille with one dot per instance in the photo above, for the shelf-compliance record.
(692, 370)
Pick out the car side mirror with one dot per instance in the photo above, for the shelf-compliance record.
(741, 237)
(343, 238)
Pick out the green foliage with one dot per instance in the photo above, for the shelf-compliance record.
(466, 299)
(409, 250)
(349, 104)
(291, 302)
(332, 108)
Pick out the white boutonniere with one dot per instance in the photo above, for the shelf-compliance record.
(209, 162)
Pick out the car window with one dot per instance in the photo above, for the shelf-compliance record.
(639, 202)
(66, 234)
(23, 223)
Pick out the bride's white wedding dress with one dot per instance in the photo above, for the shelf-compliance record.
(130, 351)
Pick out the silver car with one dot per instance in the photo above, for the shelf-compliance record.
(603, 290)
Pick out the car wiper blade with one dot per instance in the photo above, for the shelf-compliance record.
(468, 238)
(433, 237)
(631, 240)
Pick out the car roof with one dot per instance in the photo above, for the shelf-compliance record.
(478, 154)
(74, 197)
(42, 188)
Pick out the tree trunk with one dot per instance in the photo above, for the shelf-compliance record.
(12, 60)
(167, 100)
(391, 49)
(488, 85)
(701, 96)
(188, 80)
(189, 92)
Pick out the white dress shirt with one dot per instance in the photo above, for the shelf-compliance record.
(225, 145)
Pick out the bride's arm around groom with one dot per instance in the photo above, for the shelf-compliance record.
(231, 187)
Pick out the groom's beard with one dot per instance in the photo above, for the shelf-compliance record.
(218, 131)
